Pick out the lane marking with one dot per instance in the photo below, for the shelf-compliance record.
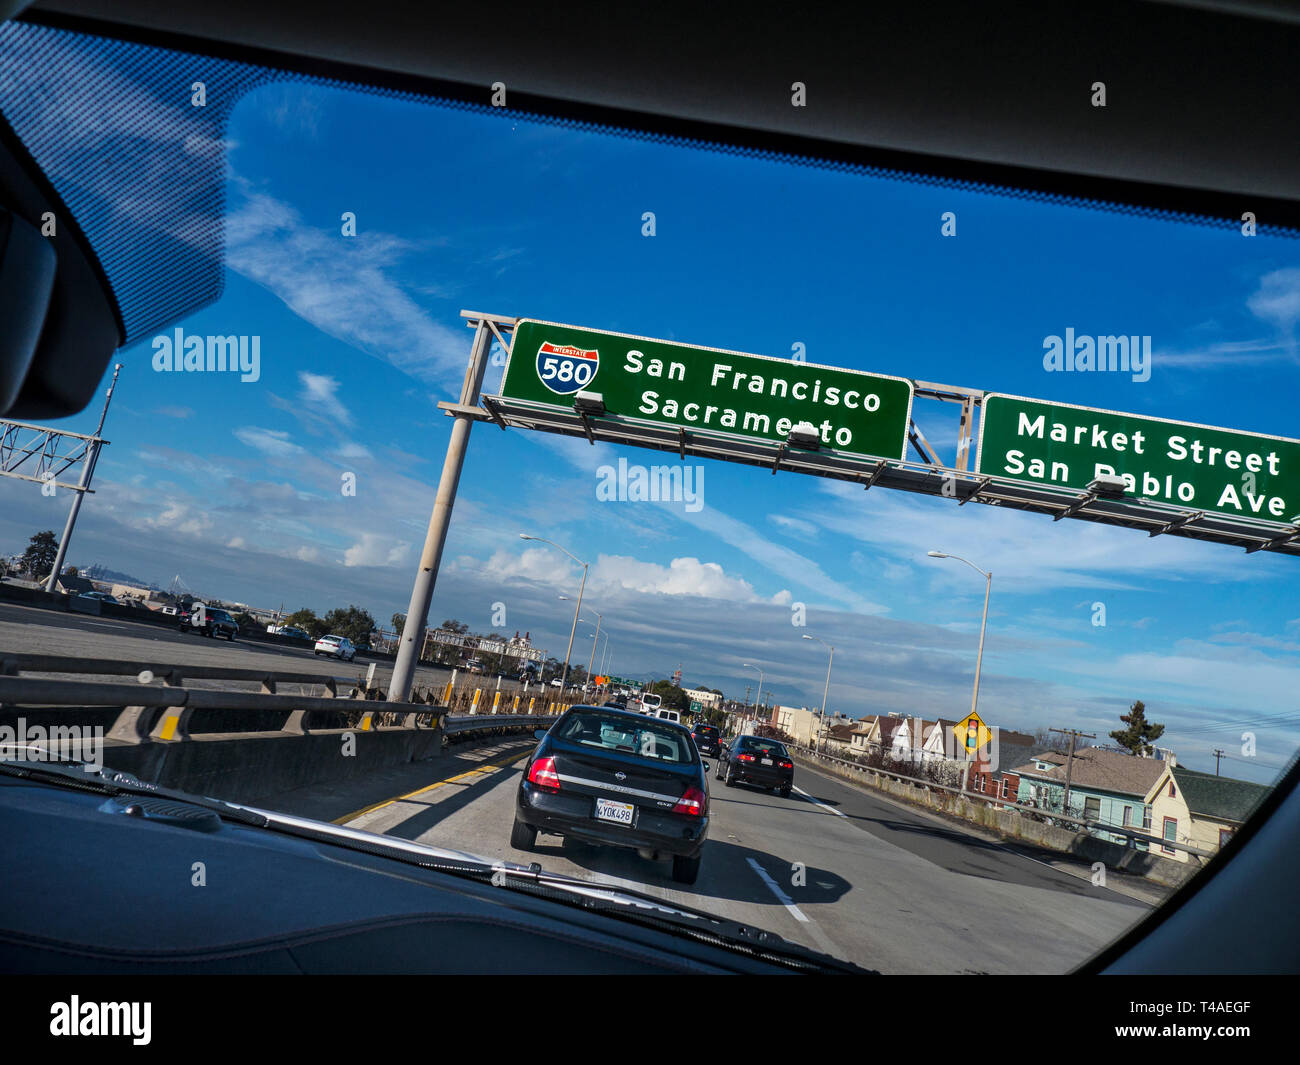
(781, 897)
(818, 802)
(484, 768)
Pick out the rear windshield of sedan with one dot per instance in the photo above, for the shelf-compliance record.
(706, 730)
(771, 747)
(627, 735)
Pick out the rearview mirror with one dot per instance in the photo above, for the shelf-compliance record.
(539, 733)
(27, 268)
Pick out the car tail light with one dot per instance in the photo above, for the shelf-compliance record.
(786, 764)
(693, 802)
(744, 758)
(543, 774)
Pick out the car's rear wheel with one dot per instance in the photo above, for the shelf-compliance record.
(686, 870)
(730, 778)
(523, 837)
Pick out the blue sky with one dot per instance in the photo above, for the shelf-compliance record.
(236, 486)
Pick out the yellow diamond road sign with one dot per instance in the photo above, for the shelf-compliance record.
(972, 735)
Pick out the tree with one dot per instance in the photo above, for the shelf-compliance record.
(353, 622)
(399, 623)
(674, 698)
(41, 552)
(1140, 732)
(71, 571)
(307, 621)
(245, 621)
(454, 626)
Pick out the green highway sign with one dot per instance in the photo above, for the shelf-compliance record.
(755, 397)
(1199, 467)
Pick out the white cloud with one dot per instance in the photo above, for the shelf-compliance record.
(342, 286)
(274, 442)
(1277, 300)
(375, 550)
(682, 576)
(320, 395)
(794, 525)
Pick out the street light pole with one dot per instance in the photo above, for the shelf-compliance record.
(988, 585)
(564, 677)
(821, 727)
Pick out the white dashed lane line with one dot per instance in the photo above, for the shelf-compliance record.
(784, 899)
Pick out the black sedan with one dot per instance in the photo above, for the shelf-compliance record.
(707, 739)
(754, 760)
(210, 621)
(617, 778)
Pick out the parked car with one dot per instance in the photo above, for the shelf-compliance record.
(474, 665)
(617, 779)
(556, 682)
(755, 760)
(339, 647)
(214, 621)
(707, 739)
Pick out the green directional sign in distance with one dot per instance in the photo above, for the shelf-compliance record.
(751, 396)
(1219, 471)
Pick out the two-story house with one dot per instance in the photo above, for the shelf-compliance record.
(1199, 809)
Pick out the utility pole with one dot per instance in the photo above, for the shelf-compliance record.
(1069, 761)
(1217, 755)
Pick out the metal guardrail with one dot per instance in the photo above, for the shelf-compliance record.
(1084, 824)
(140, 701)
(478, 722)
(15, 663)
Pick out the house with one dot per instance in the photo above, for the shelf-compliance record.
(837, 737)
(992, 773)
(1106, 787)
(860, 736)
(1199, 809)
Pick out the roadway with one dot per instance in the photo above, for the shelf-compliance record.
(27, 629)
(833, 867)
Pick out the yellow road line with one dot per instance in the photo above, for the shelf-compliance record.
(429, 787)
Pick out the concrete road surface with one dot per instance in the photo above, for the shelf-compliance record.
(833, 867)
(31, 630)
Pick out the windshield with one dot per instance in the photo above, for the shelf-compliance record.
(626, 734)
(784, 441)
(764, 747)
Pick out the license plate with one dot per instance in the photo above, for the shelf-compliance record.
(767, 761)
(618, 812)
